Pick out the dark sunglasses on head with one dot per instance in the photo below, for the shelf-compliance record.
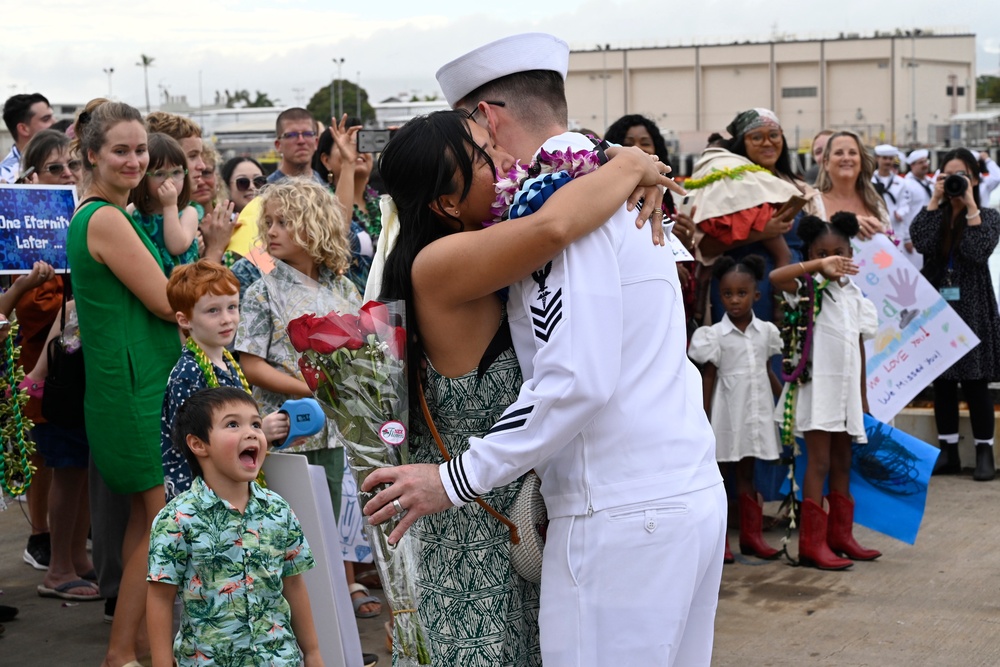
(243, 183)
(56, 168)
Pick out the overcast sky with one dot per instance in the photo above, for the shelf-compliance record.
(285, 47)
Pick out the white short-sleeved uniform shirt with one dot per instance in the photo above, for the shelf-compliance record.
(831, 401)
(742, 402)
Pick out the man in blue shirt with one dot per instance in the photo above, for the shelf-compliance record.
(25, 116)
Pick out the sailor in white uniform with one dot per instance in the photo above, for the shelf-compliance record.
(894, 191)
(989, 179)
(921, 186)
(610, 413)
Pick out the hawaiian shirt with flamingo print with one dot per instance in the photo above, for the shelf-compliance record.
(228, 568)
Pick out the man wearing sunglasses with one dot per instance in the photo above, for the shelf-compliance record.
(295, 142)
(25, 116)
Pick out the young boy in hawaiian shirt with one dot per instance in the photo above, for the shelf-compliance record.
(231, 550)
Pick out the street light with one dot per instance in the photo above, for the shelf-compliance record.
(604, 78)
(109, 71)
(357, 95)
(913, 85)
(340, 89)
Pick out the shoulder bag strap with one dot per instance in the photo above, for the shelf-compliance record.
(514, 537)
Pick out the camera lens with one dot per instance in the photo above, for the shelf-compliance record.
(955, 185)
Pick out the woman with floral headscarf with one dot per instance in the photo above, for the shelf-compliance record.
(739, 188)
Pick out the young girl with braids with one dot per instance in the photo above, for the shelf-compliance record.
(739, 389)
(205, 297)
(827, 319)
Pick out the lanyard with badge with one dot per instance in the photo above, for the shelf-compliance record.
(949, 290)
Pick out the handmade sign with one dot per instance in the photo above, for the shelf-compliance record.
(889, 477)
(34, 222)
(919, 335)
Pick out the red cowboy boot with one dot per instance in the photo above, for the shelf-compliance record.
(751, 527)
(813, 551)
(840, 534)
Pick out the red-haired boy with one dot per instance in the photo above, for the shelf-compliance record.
(205, 297)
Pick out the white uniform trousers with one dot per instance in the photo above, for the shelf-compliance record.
(634, 585)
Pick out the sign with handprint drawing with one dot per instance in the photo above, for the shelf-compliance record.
(919, 335)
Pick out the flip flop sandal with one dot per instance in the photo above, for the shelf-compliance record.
(60, 591)
(367, 598)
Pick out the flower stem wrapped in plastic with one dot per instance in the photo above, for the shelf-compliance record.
(355, 367)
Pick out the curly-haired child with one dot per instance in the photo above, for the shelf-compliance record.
(824, 396)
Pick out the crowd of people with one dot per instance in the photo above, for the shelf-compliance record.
(539, 344)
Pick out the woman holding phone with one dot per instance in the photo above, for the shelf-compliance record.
(347, 170)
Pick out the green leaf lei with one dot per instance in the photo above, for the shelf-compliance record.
(371, 217)
(208, 368)
(16, 470)
(796, 353)
(735, 173)
(796, 364)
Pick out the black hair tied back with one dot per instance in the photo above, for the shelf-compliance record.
(809, 229)
(752, 265)
(846, 223)
(84, 117)
(755, 266)
(722, 266)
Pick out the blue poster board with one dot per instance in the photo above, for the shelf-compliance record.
(34, 223)
(889, 478)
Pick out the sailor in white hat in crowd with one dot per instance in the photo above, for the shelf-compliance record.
(989, 179)
(610, 413)
(921, 184)
(894, 191)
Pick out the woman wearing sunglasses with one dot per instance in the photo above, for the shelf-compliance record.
(48, 153)
(244, 177)
(57, 498)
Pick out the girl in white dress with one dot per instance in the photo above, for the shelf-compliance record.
(824, 399)
(739, 389)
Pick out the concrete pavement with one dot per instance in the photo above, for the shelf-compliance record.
(932, 604)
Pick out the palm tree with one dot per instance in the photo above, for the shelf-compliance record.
(145, 64)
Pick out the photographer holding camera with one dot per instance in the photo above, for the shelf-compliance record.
(956, 238)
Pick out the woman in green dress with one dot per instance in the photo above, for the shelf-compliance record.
(440, 170)
(130, 343)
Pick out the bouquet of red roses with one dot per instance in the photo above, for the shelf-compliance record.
(355, 367)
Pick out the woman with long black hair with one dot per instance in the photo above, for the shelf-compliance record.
(957, 237)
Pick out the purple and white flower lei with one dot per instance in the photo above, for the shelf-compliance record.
(575, 163)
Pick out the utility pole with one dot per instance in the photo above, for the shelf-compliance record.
(340, 90)
(913, 85)
(357, 95)
(109, 71)
(604, 78)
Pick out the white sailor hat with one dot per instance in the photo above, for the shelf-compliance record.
(886, 150)
(919, 154)
(510, 55)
